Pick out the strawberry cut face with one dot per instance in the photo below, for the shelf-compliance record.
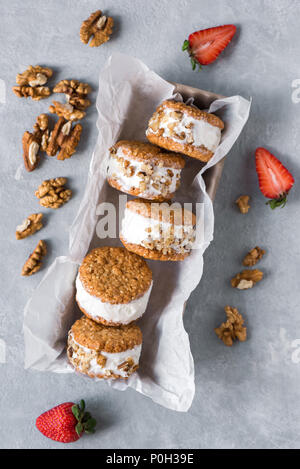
(205, 46)
(275, 181)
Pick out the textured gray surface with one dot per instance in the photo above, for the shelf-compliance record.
(246, 396)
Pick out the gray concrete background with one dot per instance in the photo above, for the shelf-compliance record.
(247, 396)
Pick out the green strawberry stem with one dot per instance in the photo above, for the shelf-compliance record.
(86, 424)
(194, 62)
(280, 202)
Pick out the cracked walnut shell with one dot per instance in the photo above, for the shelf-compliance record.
(98, 26)
(29, 226)
(253, 256)
(34, 261)
(243, 203)
(233, 328)
(246, 279)
(52, 193)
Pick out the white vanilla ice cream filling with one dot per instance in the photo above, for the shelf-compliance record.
(137, 229)
(113, 360)
(154, 185)
(123, 313)
(198, 132)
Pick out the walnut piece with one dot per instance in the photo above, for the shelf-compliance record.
(76, 93)
(37, 93)
(52, 193)
(243, 203)
(41, 130)
(29, 226)
(34, 261)
(246, 279)
(31, 148)
(33, 142)
(65, 138)
(31, 83)
(253, 256)
(98, 26)
(233, 328)
(69, 141)
(67, 111)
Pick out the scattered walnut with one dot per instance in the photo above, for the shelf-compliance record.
(76, 93)
(98, 26)
(34, 261)
(67, 111)
(31, 83)
(253, 256)
(246, 279)
(233, 328)
(52, 193)
(69, 141)
(34, 76)
(41, 130)
(243, 203)
(65, 138)
(33, 142)
(37, 93)
(31, 148)
(29, 226)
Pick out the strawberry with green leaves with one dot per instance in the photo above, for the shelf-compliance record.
(206, 45)
(275, 181)
(66, 422)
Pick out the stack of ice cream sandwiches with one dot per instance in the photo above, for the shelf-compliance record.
(114, 284)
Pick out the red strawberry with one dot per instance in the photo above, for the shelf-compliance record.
(206, 45)
(274, 179)
(66, 422)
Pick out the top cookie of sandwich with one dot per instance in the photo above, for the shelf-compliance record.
(146, 152)
(115, 275)
(192, 111)
(185, 129)
(97, 337)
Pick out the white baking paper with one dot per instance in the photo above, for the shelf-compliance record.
(128, 94)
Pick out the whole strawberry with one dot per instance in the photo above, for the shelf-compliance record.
(66, 422)
(275, 181)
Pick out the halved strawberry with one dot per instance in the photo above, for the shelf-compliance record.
(274, 179)
(206, 45)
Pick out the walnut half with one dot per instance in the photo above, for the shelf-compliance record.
(253, 256)
(246, 279)
(29, 226)
(31, 83)
(98, 26)
(34, 261)
(52, 193)
(233, 328)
